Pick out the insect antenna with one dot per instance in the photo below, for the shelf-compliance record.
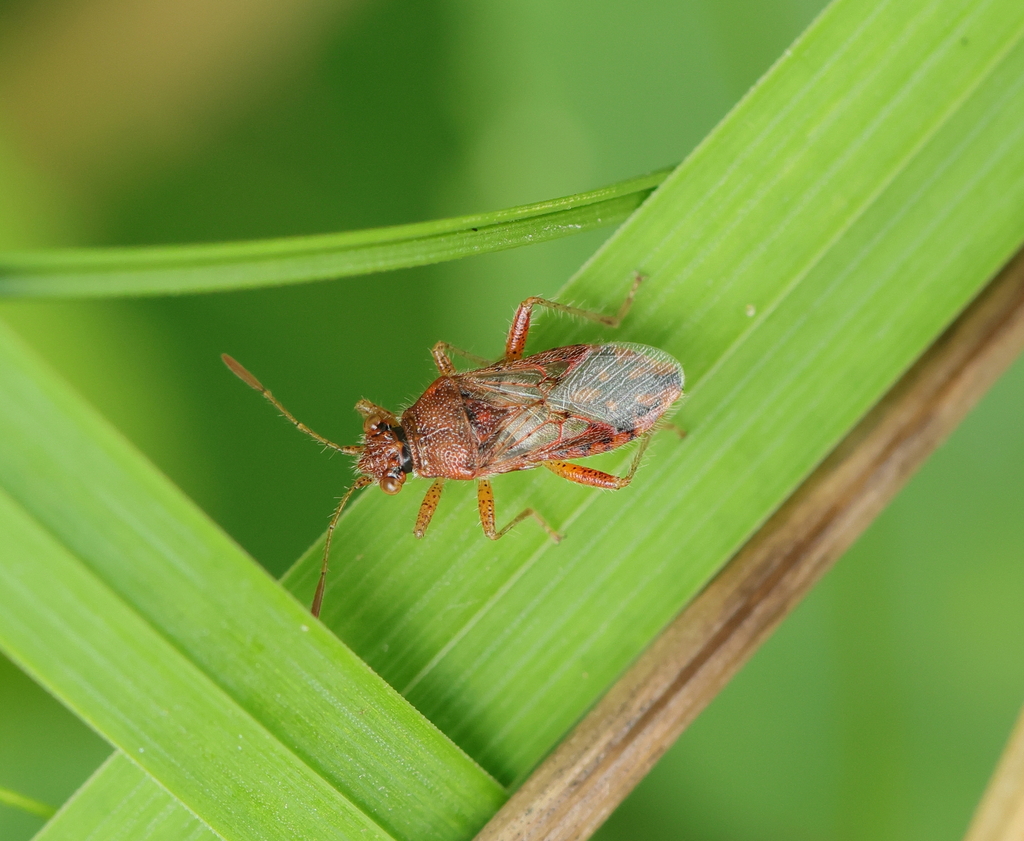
(246, 377)
(318, 596)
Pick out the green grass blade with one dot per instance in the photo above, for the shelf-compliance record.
(118, 595)
(122, 801)
(25, 804)
(798, 262)
(243, 265)
(124, 679)
(854, 202)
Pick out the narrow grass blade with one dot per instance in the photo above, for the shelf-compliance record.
(119, 596)
(122, 801)
(798, 262)
(25, 804)
(162, 270)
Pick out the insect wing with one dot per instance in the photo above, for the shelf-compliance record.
(622, 385)
(568, 402)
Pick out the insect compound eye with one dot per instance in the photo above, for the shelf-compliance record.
(391, 485)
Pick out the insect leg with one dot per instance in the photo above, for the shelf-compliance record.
(239, 371)
(485, 499)
(670, 427)
(318, 596)
(516, 342)
(597, 478)
(428, 507)
(444, 363)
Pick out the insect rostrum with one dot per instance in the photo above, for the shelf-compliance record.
(513, 414)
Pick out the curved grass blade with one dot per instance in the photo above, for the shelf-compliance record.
(179, 269)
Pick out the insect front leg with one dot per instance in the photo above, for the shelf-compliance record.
(597, 478)
(443, 362)
(485, 500)
(428, 507)
(516, 342)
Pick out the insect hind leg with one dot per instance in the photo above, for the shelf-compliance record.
(443, 361)
(597, 478)
(668, 426)
(516, 342)
(485, 500)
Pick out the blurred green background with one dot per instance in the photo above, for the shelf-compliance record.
(880, 707)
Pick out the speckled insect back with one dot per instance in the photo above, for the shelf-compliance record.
(513, 414)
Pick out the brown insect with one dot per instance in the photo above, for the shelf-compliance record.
(513, 414)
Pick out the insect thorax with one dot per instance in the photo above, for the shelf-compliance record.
(440, 436)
